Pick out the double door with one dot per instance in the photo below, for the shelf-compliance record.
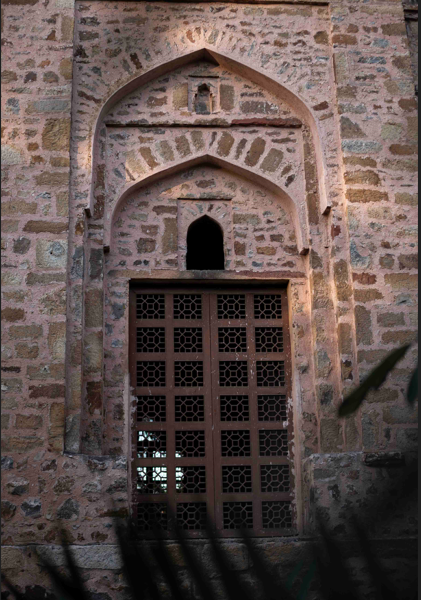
(212, 436)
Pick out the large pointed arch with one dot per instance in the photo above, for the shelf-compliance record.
(241, 68)
(297, 212)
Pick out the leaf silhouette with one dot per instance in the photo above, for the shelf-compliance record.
(374, 380)
(412, 393)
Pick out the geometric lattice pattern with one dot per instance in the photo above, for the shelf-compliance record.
(236, 479)
(188, 339)
(234, 408)
(152, 480)
(189, 408)
(232, 339)
(187, 306)
(151, 373)
(270, 373)
(191, 515)
(273, 442)
(150, 306)
(267, 306)
(231, 306)
(188, 373)
(190, 480)
(151, 408)
(151, 444)
(233, 373)
(189, 444)
(269, 339)
(214, 452)
(238, 515)
(235, 442)
(274, 478)
(272, 408)
(152, 516)
(150, 339)
(277, 514)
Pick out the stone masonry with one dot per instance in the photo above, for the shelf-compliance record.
(307, 159)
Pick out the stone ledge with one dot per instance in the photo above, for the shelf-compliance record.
(384, 459)
(107, 556)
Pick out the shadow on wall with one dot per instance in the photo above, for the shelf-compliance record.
(329, 569)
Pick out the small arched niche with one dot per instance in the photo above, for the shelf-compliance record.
(203, 100)
(205, 246)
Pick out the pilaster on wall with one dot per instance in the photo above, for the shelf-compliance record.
(36, 111)
(378, 131)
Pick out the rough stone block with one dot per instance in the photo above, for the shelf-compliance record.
(51, 254)
(363, 326)
(57, 340)
(12, 558)
(28, 422)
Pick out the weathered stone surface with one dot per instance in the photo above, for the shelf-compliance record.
(19, 207)
(32, 508)
(146, 245)
(57, 340)
(225, 144)
(44, 227)
(52, 179)
(11, 155)
(8, 510)
(17, 487)
(170, 236)
(366, 195)
(94, 308)
(12, 558)
(68, 510)
(349, 129)
(51, 255)
(25, 332)
(103, 557)
(343, 288)
(330, 435)
(12, 314)
(256, 150)
(93, 352)
(363, 325)
(28, 422)
(406, 199)
(399, 281)
(366, 177)
(272, 160)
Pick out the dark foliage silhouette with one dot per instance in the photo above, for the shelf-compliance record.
(327, 572)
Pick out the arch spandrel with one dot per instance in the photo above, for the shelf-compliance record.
(243, 69)
(296, 210)
(151, 225)
(171, 99)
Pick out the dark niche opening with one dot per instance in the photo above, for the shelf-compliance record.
(205, 246)
(203, 100)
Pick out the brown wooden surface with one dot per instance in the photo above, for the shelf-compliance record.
(212, 391)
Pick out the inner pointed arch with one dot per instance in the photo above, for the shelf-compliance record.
(294, 208)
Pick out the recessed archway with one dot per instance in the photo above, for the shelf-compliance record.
(243, 69)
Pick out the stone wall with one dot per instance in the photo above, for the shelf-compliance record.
(307, 161)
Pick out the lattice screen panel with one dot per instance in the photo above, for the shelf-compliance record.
(210, 371)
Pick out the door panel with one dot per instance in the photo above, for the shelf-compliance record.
(211, 371)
